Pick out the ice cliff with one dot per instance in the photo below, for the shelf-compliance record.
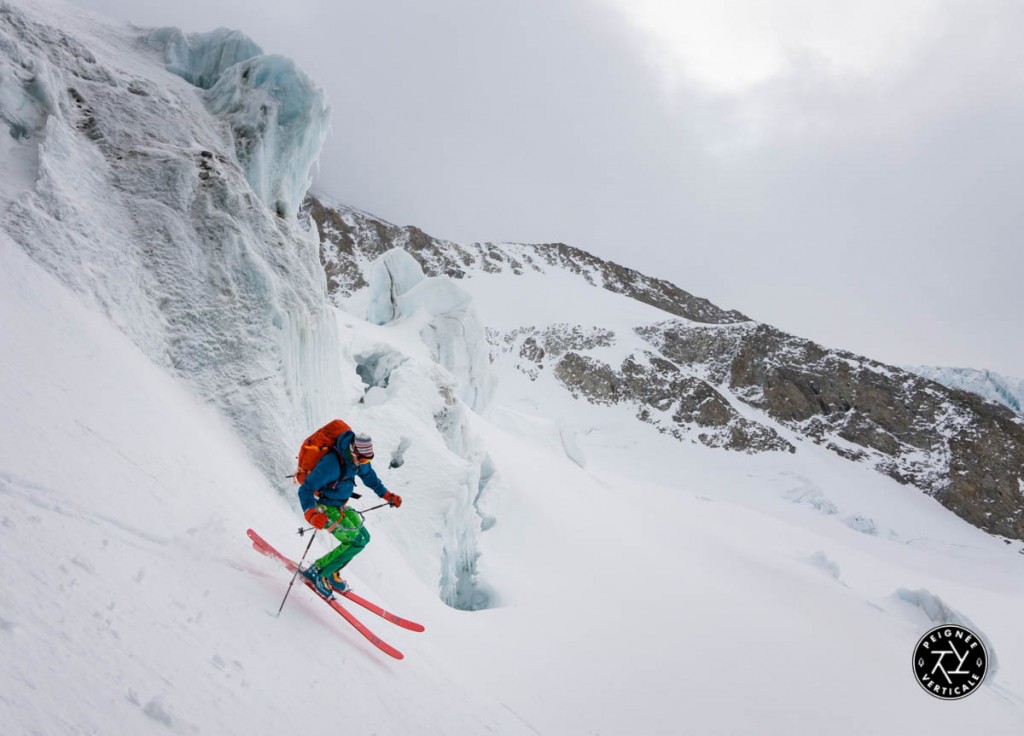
(278, 116)
(162, 173)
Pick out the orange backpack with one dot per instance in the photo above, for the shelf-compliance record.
(316, 446)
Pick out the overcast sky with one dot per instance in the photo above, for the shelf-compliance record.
(850, 172)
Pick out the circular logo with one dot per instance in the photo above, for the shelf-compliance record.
(950, 662)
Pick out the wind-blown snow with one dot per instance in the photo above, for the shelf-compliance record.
(624, 582)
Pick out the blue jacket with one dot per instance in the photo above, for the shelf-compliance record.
(336, 481)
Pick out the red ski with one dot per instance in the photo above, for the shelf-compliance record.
(261, 546)
(393, 618)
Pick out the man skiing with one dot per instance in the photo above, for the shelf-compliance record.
(323, 495)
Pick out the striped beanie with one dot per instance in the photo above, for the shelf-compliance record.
(363, 445)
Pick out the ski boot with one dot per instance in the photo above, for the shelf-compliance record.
(318, 581)
(338, 583)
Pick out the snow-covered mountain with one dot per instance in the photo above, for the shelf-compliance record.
(992, 386)
(700, 373)
(170, 334)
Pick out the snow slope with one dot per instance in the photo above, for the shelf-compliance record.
(577, 571)
(623, 599)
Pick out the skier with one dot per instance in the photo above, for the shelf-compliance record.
(323, 495)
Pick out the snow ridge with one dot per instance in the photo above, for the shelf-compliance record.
(350, 238)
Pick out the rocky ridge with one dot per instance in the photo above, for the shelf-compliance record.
(350, 237)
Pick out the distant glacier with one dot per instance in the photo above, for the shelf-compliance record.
(992, 386)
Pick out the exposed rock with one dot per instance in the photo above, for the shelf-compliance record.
(534, 347)
(680, 405)
(350, 237)
(337, 246)
(966, 452)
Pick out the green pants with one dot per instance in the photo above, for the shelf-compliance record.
(349, 530)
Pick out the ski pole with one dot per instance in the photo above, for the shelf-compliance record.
(297, 568)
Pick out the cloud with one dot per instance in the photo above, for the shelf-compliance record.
(731, 45)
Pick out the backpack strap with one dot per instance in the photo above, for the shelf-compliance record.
(341, 465)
